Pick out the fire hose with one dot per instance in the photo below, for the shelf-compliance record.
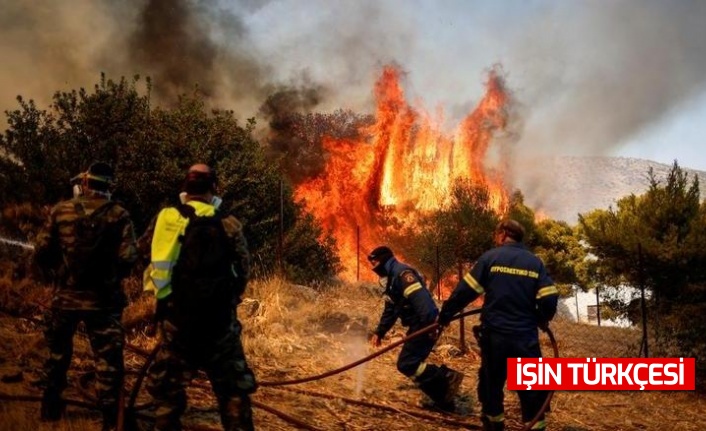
(150, 356)
(425, 330)
(416, 334)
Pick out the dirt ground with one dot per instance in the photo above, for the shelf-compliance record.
(292, 332)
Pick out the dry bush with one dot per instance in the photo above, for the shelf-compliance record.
(293, 326)
(21, 221)
(25, 417)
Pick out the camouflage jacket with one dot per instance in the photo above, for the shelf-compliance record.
(55, 245)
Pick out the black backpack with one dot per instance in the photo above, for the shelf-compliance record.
(203, 279)
(92, 259)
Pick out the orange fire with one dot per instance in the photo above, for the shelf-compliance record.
(406, 166)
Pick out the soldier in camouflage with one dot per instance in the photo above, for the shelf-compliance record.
(85, 248)
(187, 344)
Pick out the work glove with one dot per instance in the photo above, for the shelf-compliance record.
(444, 320)
(477, 334)
(436, 333)
(543, 325)
(376, 340)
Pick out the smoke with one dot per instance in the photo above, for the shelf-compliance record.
(180, 44)
(590, 75)
(52, 46)
(234, 52)
(596, 73)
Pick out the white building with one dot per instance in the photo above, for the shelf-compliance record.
(582, 307)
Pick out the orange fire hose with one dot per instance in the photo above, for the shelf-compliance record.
(386, 349)
(330, 373)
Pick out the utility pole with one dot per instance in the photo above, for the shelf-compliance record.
(280, 242)
(598, 305)
(438, 275)
(461, 322)
(357, 253)
(643, 302)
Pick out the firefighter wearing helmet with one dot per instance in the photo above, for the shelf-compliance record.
(408, 299)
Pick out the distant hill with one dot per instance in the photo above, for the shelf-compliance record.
(568, 186)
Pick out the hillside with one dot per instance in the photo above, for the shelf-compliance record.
(567, 186)
(292, 332)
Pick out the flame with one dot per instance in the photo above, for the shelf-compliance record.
(404, 167)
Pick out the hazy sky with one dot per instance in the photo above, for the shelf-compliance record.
(594, 77)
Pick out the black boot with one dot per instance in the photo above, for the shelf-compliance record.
(454, 379)
(441, 384)
(236, 414)
(110, 418)
(52, 406)
(491, 426)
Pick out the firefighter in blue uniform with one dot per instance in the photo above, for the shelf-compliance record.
(519, 298)
(407, 298)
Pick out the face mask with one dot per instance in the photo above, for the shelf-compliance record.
(216, 201)
(380, 270)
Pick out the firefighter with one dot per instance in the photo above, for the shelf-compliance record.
(519, 298)
(196, 304)
(407, 299)
(85, 248)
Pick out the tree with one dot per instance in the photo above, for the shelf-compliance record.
(664, 229)
(665, 224)
(462, 232)
(517, 210)
(565, 257)
(151, 148)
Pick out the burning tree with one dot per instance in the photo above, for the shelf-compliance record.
(403, 168)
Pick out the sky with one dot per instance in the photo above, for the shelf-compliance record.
(591, 77)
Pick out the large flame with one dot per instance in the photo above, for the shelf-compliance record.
(404, 167)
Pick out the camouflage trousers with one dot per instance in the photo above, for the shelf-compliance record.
(223, 360)
(107, 337)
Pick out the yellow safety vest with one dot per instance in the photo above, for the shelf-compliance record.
(169, 227)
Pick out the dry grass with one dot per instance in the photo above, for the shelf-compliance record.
(292, 331)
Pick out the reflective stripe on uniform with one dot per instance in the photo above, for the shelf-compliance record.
(498, 418)
(411, 289)
(169, 227)
(420, 369)
(546, 291)
(473, 283)
(539, 425)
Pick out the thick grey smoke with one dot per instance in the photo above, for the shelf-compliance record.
(236, 52)
(180, 44)
(590, 75)
(50, 46)
(594, 75)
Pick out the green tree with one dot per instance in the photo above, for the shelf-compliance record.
(664, 229)
(151, 147)
(517, 210)
(462, 232)
(564, 255)
(556, 243)
(664, 224)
